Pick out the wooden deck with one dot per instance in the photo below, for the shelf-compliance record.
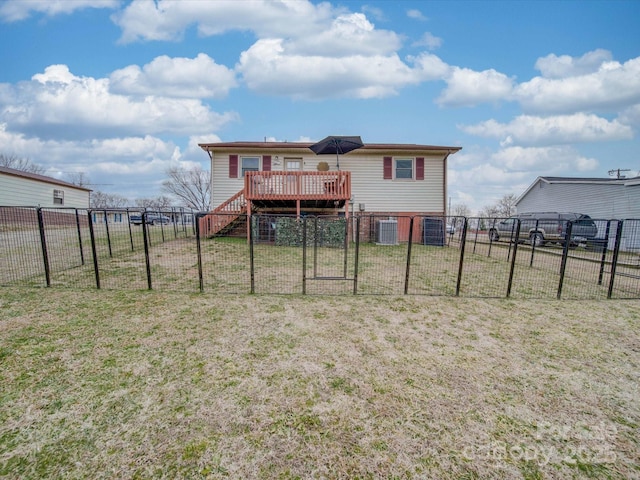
(297, 186)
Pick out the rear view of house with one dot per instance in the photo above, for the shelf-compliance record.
(287, 177)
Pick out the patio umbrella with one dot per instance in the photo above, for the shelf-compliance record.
(335, 144)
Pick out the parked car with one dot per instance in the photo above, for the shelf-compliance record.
(539, 228)
(150, 219)
(450, 229)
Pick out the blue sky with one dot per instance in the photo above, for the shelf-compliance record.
(122, 90)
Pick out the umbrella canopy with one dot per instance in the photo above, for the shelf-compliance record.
(335, 145)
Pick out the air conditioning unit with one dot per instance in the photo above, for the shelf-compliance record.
(387, 232)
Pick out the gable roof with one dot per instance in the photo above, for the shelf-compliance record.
(40, 178)
(625, 182)
(207, 147)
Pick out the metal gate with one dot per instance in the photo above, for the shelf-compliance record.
(329, 262)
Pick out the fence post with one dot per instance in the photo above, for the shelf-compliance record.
(94, 250)
(614, 260)
(493, 226)
(513, 257)
(160, 214)
(357, 254)
(43, 244)
(604, 252)
(146, 241)
(565, 255)
(346, 245)
(199, 253)
(533, 244)
(250, 221)
(106, 226)
(479, 223)
(463, 245)
(406, 274)
(304, 255)
(79, 237)
(315, 245)
(130, 232)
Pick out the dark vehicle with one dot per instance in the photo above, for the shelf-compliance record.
(150, 219)
(539, 228)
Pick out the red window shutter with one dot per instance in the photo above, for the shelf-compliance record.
(420, 168)
(233, 166)
(266, 163)
(388, 168)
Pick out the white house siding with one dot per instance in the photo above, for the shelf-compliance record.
(605, 201)
(21, 191)
(367, 184)
(602, 201)
(379, 195)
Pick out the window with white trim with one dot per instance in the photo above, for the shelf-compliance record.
(403, 168)
(58, 197)
(250, 164)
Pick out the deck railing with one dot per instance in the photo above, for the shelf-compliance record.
(276, 185)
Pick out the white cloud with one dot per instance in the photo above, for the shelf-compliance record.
(15, 10)
(478, 177)
(58, 103)
(631, 115)
(168, 19)
(561, 129)
(612, 86)
(267, 68)
(416, 14)
(131, 166)
(200, 77)
(429, 40)
(563, 66)
(542, 160)
(348, 35)
(467, 87)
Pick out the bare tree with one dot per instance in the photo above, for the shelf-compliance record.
(460, 210)
(192, 186)
(79, 178)
(107, 200)
(157, 203)
(505, 207)
(22, 164)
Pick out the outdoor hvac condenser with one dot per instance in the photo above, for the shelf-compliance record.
(433, 231)
(387, 232)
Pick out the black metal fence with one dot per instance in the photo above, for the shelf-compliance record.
(279, 254)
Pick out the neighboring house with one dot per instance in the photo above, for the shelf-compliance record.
(287, 177)
(23, 189)
(600, 198)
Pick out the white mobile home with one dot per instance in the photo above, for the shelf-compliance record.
(23, 189)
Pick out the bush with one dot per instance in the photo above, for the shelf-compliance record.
(330, 232)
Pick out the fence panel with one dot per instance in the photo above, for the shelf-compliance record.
(487, 261)
(69, 247)
(382, 256)
(627, 277)
(225, 255)
(21, 254)
(435, 255)
(588, 264)
(427, 255)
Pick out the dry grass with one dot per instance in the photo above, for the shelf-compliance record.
(100, 384)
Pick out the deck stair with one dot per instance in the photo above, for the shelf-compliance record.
(224, 215)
